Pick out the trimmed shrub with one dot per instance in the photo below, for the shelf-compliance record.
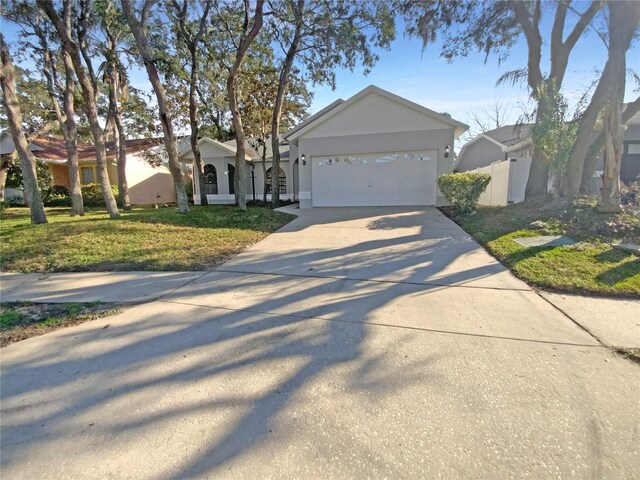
(462, 190)
(56, 196)
(92, 195)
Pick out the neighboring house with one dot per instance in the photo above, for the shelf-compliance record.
(148, 181)
(375, 148)
(505, 153)
(510, 141)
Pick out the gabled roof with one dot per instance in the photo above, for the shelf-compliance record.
(635, 120)
(314, 122)
(229, 149)
(55, 149)
(313, 118)
(252, 150)
(508, 138)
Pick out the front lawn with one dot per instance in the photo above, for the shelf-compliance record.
(142, 239)
(592, 266)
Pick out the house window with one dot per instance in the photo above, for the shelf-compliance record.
(87, 175)
(231, 172)
(632, 148)
(210, 180)
(282, 188)
(374, 158)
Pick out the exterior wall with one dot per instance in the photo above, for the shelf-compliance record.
(6, 143)
(257, 185)
(508, 182)
(632, 133)
(148, 184)
(479, 154)
(371, 143)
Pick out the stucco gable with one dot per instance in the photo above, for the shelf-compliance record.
(375, 110)
(209, 148)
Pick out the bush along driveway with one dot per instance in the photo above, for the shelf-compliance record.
(590, 266)
(143, 239)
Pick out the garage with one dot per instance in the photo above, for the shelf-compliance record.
(374, 179)
(373, 149)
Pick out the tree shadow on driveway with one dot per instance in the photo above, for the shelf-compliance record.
(287, 339)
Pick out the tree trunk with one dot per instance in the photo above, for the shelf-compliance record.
(236, 120)
(561, 48)
(283, 83)
(193, 121)
(624, 17)
(63, 27)
(119, 137)
(71, 140)
(575, 164)
(595, 149)
(627, 15)
(165, 115)
(537, 183)
(66, 120)
(233, 93)
(609, 200)
(14, 118)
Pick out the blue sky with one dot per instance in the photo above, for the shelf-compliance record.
(461, 87)
(467, 84)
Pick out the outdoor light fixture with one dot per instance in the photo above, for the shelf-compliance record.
(446, 151)
(304, 161)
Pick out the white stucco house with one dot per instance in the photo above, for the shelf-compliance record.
(376, 149)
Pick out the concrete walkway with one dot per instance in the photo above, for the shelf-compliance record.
(353, 343)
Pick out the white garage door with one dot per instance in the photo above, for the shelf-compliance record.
(377, 179)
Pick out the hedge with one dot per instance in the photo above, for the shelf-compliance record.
(462, 190)
(92, 195)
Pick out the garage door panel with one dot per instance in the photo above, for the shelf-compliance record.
(398, 178)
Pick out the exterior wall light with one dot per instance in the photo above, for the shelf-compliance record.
(304, 161)
(447, 149)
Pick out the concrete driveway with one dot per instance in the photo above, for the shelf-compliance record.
(353, 343)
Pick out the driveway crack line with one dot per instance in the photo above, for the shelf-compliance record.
(381, 324)
(339, 277)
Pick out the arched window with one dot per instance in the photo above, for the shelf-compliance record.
(283, 181)
(210, 180)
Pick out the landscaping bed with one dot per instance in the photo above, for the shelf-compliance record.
(591, 266)
(142, 239)
(22, 320)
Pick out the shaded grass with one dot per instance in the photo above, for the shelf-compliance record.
(22, 320)
(142, 239)
(592, 266)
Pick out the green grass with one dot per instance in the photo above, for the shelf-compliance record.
(592, 266)
(21, 320)
(142, 239)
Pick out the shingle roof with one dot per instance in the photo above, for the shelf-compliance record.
(50, 148)
(511, 134)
